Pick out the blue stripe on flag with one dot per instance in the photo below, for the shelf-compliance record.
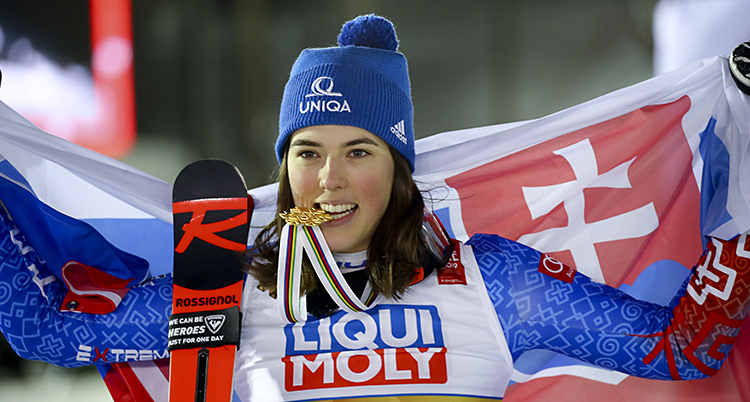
(151, 239)
(8, 172)
(58, 238)
(715, 181)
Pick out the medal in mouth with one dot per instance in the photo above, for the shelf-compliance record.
(305, 216)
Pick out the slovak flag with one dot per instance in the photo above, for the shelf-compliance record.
(624, 188)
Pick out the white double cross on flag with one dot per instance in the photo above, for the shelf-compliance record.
(580, 236)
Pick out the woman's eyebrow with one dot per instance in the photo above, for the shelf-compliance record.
(359, 141)
(300, 142)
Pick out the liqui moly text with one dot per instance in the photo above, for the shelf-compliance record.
(389, 344)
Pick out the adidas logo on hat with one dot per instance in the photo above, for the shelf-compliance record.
(399, 131)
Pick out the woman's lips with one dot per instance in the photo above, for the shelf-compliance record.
(338, 212)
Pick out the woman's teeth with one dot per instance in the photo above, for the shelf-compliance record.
(338, 211)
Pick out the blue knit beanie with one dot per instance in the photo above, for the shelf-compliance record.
(362, 83)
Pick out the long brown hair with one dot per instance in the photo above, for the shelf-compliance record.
(394, 252)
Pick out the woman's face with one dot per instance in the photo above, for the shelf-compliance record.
(346, 171)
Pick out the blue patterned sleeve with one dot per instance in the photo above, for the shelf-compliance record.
(31, 320)
(572, 315)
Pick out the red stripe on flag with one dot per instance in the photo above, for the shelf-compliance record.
(117, 387)
(624, 171)
(163, 365)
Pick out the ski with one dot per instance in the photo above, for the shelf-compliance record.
(211, 210)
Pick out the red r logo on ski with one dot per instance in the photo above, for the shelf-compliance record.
(207, 232)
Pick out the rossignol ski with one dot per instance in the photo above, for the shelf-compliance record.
(211, 210)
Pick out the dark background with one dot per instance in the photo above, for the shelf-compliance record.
(209, 74)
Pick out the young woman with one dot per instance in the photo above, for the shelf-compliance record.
(384, 305)
(346, 146)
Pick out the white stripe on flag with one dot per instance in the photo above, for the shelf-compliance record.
(152, 379)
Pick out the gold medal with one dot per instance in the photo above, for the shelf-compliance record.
(305, 216)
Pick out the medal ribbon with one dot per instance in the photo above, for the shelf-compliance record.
(296, 239)
(293, 307)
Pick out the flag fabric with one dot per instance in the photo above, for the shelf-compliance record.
(65, 197)
(625, 188)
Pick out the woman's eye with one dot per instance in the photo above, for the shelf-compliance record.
(358, 153)
(307, 154)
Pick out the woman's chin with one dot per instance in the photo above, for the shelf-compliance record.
(343, 241)
(344, 247)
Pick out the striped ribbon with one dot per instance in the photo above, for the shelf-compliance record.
(295, 240)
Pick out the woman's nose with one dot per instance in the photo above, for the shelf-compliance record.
(331, 175)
